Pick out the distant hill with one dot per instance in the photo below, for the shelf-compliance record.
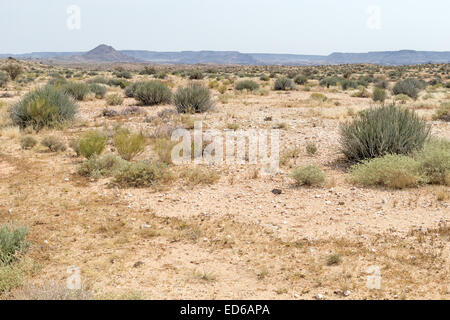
(105, 53)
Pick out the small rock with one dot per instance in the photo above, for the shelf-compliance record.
(138, 264)
(347, 293)
(145, 226)
(277, 191)
(319, 296)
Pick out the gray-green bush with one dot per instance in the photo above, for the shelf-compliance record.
(193, 98)
(152, 93)
(43, 107)
(384, 130)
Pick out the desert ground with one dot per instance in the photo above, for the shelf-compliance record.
(223, 232)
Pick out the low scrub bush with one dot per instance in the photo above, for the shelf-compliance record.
(128, 145)
(3, 79)
(92, 143)
(309, 175)
(410, 87)
(196, 75)
(392, 171)
(12, 243)
(53, 143)
(198, 176)
(249, 85)
(379, 95)
(383, 130)
(192, 99)
(142, 175)
(103, 166)
(131, 89)
(434, 161)
(13, 70)
(153, 93)
(301, 79)
(97, 89)
(114, 99)
(28, 142)
(284, 84)
(43, 107)
(78, 90)
(443, 112)
(318, 97)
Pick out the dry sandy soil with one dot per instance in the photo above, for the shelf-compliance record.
(234, 239)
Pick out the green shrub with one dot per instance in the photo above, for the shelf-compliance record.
(53, 143)
(249, 85)
(131, 89)
(118, 83)
(75, 145)
(152, 93)
(13, 70)
(311, 148)
(142, 174)
(78, 90)
(57, 82)
(329, 81)
(128, 145)
(92, 143)
(114, 99)
(123, 74)
(392, 171)
(284, 84)
(309, 175)
(193, 98)
(98, 80)
(434, 161)
(347, 84)
(383, 130)
(28, 142)
(382, 84)
(43, 107)
(379, 95)
(410, 87)
(98, 89)
(103, 166)
(196, 75)
(318, 97)
(443, 112)
(301, 79)
(3, 79)
(12, 242)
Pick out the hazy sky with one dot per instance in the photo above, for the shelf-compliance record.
(282, 26)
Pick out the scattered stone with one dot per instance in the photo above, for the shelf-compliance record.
(319, 296)
(347, 293)
(138, 264)
(277, 191)
(145, 226)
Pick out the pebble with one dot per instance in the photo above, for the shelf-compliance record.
(145, 226)
(319, 296)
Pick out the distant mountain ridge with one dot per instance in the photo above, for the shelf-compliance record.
(105, 53)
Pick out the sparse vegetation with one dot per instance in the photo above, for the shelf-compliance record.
(192, 99)
(249, 85)
(43, 107)
(142, 175)
(54, 143)
(128, 145)
(92, 143)
(284, 84)
(383, 130)
(309, 175)
(152, 93)
(114, 99)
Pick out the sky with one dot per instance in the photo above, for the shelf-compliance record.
(252, 26)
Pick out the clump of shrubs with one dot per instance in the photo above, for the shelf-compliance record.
(301, 79)
(97, 89)
(284, 84)
(196, 75)
(114, 99)
(393, 171)
(434, 161)
(13, 70)
(131, 89)
(43, 107)
(128, 145)
(53, 143)
(379, 95)
(78, 90)
(92, 143)
(309, 175)
(103, 166)
(443, 112)
(193, 99)
(28, 142)
(384, 130)
(12, 242)
(153, 93)
(3, 79)
(249, 85)
(142, 174)
(410, 87)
